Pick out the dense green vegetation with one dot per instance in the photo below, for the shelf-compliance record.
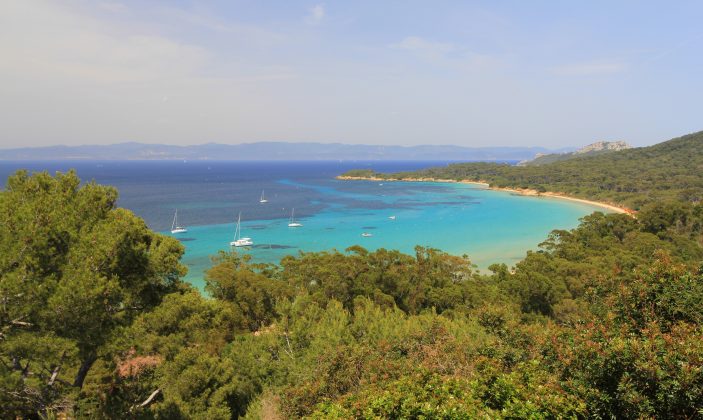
(559, 157)
(603, 321)
(672, 170)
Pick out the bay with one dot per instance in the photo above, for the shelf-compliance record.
(489, 226)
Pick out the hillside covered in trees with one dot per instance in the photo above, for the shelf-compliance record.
(672, 170)
(603, 321)
(593, 149)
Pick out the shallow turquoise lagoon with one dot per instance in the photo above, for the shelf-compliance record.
(488, 226)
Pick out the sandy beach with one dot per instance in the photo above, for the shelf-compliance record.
(528, 192)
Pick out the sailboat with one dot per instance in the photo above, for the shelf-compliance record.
(292, 222)
(263, 199)
(238, 240)
(174, 226)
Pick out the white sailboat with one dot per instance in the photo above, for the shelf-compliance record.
(263, 199)
(292, 222)
(238, 240)
(367, 235)
(391, 217)
(174, 226)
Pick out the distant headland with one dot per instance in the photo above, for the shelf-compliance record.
(274, 151)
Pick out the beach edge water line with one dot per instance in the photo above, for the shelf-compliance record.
(526, 192)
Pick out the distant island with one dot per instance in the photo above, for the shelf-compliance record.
(273, 151)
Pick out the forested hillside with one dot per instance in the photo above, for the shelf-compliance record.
(593, 149)
(603, 321)
(672, 170)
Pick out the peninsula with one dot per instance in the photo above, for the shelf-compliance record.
(626, 179)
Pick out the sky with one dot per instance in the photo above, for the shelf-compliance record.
(405, 72)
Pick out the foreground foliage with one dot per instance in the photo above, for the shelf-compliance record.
(603, 321)
(73, 271)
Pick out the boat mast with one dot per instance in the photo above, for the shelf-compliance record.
(237, 233)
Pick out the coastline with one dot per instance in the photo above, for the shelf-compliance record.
(528, 192)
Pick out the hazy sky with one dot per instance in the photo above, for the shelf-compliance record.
(549, 73)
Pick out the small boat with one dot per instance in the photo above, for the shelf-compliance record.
(263, 199)
(238, 240)
(174, 226)
(391, 217)
(292, 222)
(366, 234)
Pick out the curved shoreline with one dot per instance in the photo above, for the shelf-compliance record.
(528, 192)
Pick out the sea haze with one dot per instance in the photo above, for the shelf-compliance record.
(489, 226)
(278, 151)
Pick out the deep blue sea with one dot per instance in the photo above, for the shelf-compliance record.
(489, 226)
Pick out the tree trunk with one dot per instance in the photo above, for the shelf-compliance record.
(83, 371)
(55, 371)
(54, 374)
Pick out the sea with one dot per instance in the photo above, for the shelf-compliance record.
(462, 219)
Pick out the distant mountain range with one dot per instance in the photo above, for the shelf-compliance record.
(596, 148)
(272, 151)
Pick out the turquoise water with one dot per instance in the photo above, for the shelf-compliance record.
(488, 226)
